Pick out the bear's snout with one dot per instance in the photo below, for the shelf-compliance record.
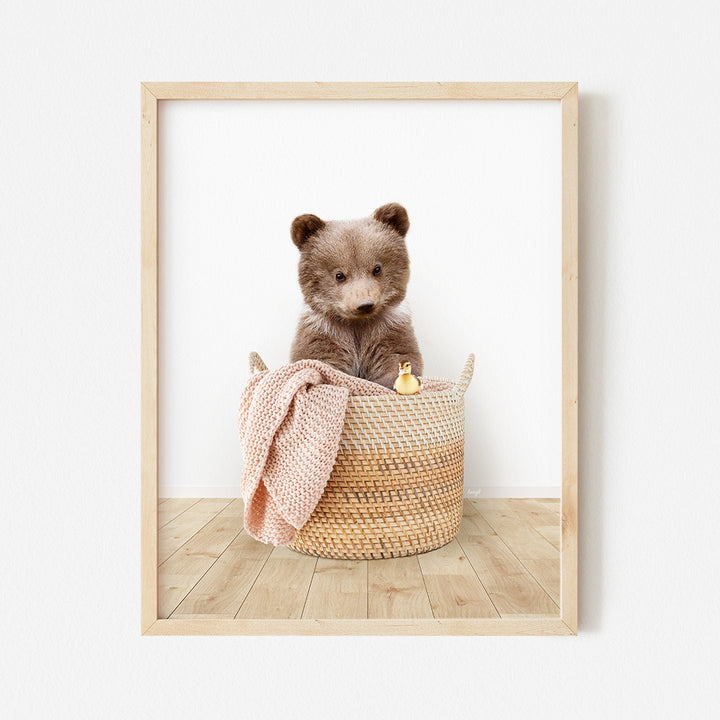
(360, 298)
(365, 307)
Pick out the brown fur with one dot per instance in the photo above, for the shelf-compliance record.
(359, 323)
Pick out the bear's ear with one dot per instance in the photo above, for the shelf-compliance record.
(303, 227)
(395, 216)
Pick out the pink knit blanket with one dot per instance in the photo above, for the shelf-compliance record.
(290, 424)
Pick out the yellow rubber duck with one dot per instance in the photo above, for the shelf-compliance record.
(407, 383)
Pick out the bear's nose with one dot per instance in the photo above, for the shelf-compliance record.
(365, 307)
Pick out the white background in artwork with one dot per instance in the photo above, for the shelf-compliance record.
(481, 183)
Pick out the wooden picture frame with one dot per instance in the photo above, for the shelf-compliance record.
(566, 93)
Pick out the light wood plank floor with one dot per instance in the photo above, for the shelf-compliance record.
(505, 562)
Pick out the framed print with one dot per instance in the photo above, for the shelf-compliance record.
(479, 182)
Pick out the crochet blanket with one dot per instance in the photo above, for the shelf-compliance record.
(290, 424)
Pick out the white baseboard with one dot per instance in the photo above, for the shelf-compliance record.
(233, 491)
(198, 491)
(526, 491)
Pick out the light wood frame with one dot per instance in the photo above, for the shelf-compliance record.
(565, 623)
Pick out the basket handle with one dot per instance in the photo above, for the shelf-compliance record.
(466, 375)
(256, 363)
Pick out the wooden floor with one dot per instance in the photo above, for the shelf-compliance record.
(505, 562)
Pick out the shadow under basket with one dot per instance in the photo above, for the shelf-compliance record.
(397, 485)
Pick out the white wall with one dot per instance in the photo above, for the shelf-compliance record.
(481, 182)
(650, 389)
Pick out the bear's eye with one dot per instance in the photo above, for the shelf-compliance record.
(339, 277)
(377, 270)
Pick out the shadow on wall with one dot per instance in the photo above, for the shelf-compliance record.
(595, 161)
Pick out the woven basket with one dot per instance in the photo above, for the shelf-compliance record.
(397, 485)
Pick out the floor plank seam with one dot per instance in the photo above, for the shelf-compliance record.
(529, 572)
(200, 529)
(479, 578)
(252, 585)
(542, 534)
(367, 589)
(205, 573)
(531, 527)
(527, 524)
(307, 593)
(427, 594)
(175, 517)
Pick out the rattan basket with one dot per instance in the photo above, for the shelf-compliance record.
(397, 485)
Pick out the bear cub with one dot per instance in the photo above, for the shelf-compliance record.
(353, 275)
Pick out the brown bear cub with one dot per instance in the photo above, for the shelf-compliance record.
(353, 275)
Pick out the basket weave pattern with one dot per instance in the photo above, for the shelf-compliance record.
(397, 484)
